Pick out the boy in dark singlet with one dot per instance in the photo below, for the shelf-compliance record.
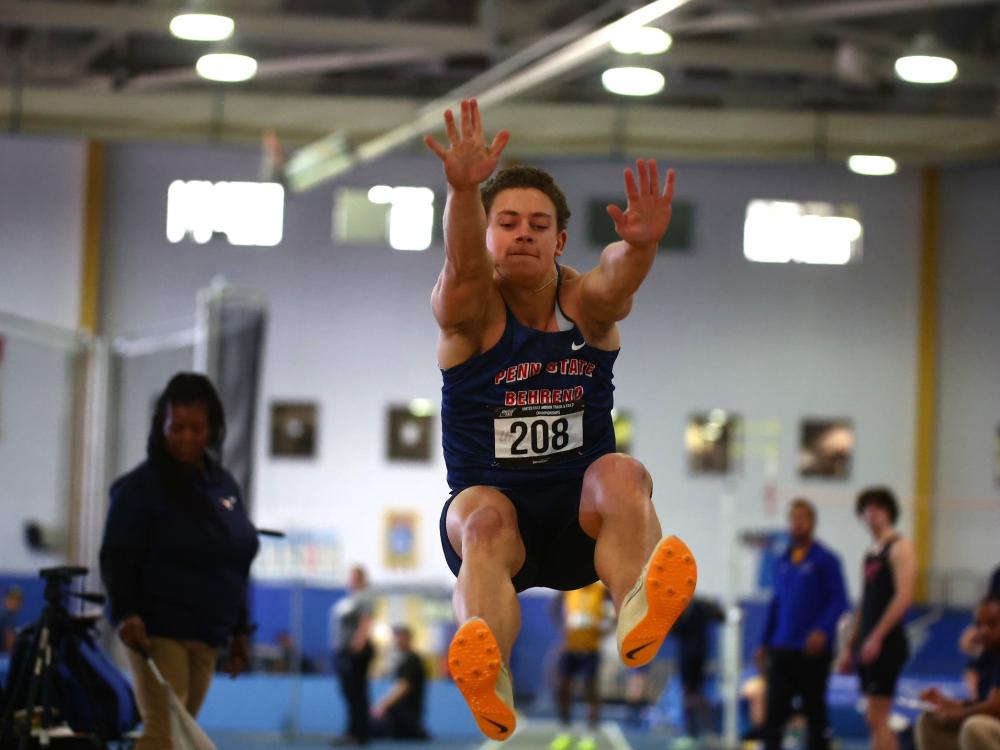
(526, 347)
(877, 646)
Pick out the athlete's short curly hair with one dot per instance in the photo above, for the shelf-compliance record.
(522, 176)
(880, 497)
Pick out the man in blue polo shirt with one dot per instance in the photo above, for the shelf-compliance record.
(800, 628)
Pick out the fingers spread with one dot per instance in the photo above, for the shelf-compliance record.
(499, 143)
(640, 167)
(616, 214)
(631, 191)
(668, 189)
(434, 146)
(449, 123)
(466, 119)
(477, 121)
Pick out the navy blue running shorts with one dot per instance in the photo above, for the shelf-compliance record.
(559, 555)
(880, 677)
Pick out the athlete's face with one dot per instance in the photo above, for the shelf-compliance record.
(876, 518)
(522, 235)
(186, 432)
(801, 524)
(988, 625)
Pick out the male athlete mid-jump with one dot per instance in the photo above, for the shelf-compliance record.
(539, 495)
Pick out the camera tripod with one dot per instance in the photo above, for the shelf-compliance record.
(33, 683)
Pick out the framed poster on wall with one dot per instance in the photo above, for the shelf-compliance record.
(400, 547)
(293, 429)
(826, 448)
(708, 440)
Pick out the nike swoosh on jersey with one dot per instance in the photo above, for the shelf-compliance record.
(576, 347)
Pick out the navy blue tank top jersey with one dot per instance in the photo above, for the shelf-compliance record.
(535, 407)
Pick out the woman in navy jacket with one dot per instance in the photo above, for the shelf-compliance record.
(176, 556)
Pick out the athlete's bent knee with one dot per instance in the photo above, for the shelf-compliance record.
(484, 526)
(619, 477)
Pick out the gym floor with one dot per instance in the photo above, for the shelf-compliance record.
(533, 735)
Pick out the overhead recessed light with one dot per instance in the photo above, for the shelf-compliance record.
(925, 62)
(926, 69)
(633, 81)
(644, 40)
(202, 27)
(870, 164)
(227, 67)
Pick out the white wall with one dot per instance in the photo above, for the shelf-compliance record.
(41, 222)
(351, 328)
(36, 410)
(41, 211)
(773, 344)
(967, 513)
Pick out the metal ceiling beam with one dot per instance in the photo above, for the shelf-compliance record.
(309, 167)
(748, 20)
(324, 31)
(284, 67)
(733, 134)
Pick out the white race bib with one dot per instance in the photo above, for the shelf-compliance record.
(538, 434)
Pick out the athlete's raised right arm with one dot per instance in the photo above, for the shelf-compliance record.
(461, 294)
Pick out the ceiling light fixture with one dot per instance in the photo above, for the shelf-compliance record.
(643, 40)
(925, 62)
(633, 81)
(870, 164)
(202, 27)
(226, 67)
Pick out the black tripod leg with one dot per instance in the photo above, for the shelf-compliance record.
(18, 687)
(47, 670)
(36, 679)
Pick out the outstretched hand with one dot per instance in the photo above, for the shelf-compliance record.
(468, 161)
(644, 222)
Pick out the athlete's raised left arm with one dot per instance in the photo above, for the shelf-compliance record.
(606, 291)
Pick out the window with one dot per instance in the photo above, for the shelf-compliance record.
(403, 217)
(790, 232)
(248, 213)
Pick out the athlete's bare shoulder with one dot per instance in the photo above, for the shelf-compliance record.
(602, 336)
(458, 344)
(569, 273)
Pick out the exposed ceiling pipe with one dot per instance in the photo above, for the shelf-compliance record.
(529, 54)
(283, 67)
(330, 156)
(324, 30)
(727, 21)
(312, 164)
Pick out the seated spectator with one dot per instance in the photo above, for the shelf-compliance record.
(974, 724)
(968, 642)
(399, 714)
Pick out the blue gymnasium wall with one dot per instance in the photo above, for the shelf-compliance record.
(934, 649)
(312, 703)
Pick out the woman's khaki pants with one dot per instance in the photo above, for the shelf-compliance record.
(188, 667)
(976, 733)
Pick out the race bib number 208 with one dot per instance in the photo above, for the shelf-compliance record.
(537, 435)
